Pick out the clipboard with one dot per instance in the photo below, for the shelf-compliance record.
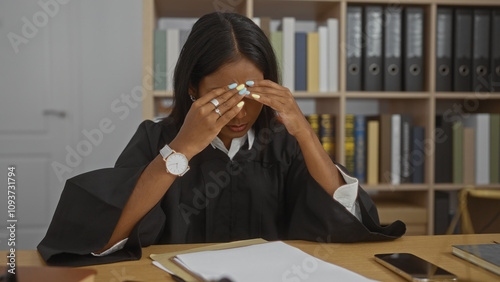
(165, 259)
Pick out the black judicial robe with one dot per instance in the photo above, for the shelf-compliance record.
(265, 192)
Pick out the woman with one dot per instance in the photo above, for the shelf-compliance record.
(235, 160)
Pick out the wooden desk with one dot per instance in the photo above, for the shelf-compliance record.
(357, 257)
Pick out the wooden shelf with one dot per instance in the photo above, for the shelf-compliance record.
(303, 94)
(456, 187)
(468, 95)
(392, 188)
(386, 95)
(163, 94)
(423, 106)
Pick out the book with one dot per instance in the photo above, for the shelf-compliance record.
(160, 60)
(323, 60)
(51, 274)
(300, 61)
(372, 152)
(277, 43)
(385, 148)
(333, 54)
(395, 176)
(417, 156)
(494, 148)
(313, 120)
(458, 154)
(327, 133)
(484, 255)
(481, 125)
(469, 155)
(406, 148)
(173, 52)
(483, 148)
(349, 143)
(443, 171)
(183, 36)
(288, 60)
(312, 62)
(360, 148)
(265, 24)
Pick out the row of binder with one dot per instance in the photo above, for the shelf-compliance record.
(467, 49)
(384, 48)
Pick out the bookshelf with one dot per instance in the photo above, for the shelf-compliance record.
(423, 106)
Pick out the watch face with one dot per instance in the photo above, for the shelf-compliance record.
(176, 163)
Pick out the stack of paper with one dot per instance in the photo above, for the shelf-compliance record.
(273, 261)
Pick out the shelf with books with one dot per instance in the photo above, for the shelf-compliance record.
(423, 105)
(306, 45)
(467, 142)
(387, 149)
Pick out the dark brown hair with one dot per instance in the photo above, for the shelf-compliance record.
(216, 39)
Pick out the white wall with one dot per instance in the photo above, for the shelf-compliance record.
(109, 49)
(91, 57)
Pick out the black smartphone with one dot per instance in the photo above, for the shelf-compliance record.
(414, 268)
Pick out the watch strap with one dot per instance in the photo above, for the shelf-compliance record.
(166, 151)
(187, 169)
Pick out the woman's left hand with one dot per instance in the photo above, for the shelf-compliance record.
(280, 99)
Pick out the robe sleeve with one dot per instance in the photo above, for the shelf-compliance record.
(91, 204)
(316, 216)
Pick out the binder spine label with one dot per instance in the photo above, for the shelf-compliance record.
(393, 41)
(415, 36)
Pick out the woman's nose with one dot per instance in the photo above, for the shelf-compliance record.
(242, 113)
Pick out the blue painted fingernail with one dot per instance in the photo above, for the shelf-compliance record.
(232, 86)
(249, 83)
(242, 91)
(247, 93)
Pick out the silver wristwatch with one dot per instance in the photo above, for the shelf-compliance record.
(176, 163)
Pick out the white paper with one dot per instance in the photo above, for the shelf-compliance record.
(274, 261)
(160, 266)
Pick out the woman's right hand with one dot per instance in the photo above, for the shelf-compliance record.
(202, 124)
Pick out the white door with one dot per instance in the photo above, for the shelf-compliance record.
(35, 121)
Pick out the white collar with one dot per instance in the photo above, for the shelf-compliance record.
(236, 143)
